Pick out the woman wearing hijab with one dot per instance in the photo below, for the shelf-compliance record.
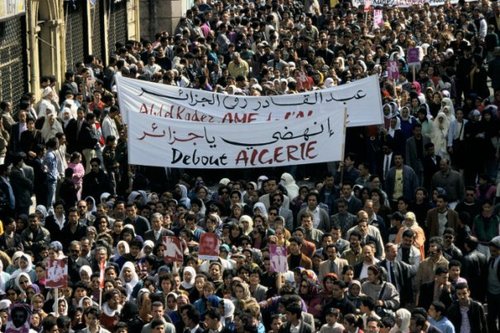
(60, 308)
(260, 209)
(51, 127)
(188, 279)
(448, 109)
(182, 193)
(121, 252)
(403, 317)
(407, 122)
(42, 213)
(4, 278)
(395, 135)
(440, 135)
(290, 185)
(23, 263)
(85, 273)
(130, 279)
(247, 223)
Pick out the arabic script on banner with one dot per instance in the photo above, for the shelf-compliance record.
(361, 98)
(183, 144)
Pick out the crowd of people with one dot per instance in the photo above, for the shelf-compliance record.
(401, 236)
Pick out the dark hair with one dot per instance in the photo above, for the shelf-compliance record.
(440, 270)
(295, 239)
(295, 309)
(439, 306)
(93, 310)
(213, 314)
(156, 322)
(419, 319)
(368, 302)
(454, 263)
(192, 313)
(357, 234)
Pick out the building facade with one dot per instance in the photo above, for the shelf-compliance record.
(48, 37)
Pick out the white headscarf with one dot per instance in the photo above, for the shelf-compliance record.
(20, 270)
(405, 317)
(18, 277)
(117, 253)
(291, 186)
(4, 277)
(55, 307)
(135, 278)
(188, 284)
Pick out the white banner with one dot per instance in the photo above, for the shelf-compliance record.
(165, 142)
(362, 99)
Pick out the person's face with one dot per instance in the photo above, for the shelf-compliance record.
(487, 208)
(91, 319)
(442, 278)
(215, 272)
(368, 253)
(363, 227)
(372, 327)
(354, 242)
(240, 292)
(346, 191)
(307, 222)
(272, 186)
(34, 222)
(391, 253)
(62, 307)
(463, 296)
(187, 276)
(127, 274)
(131, 211)
(158, 312)
(433, 250)
(454, 272)
(294, 248)
(337, 292)
(448, 239)
(276, 324)
(398, 160)
(440, 204)
(312, 202)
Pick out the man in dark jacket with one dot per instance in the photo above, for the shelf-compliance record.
(476, 318)
(96, 181)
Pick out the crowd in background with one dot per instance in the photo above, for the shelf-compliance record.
(401, 236)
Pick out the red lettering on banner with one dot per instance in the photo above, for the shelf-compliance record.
(239, 118)
(279, 155)
(298, 114)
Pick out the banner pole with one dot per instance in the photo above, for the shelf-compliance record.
(342, 152)
(56, 303)
(100, 297)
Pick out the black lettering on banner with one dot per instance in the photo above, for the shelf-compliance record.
(178, 157)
